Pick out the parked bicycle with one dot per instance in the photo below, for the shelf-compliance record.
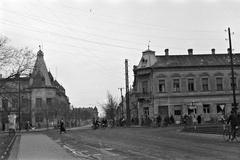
(227, 133)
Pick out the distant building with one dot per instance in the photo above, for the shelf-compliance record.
(41, 96)
(183, 84)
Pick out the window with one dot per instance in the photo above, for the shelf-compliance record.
(221, 108)
(219, 83)
(205, 84)
(190, 84)
(38, 117)
(15, 103)
(206, 108)
(177, 110)
(146, 111)
(176, 85)
(233, 107)
(235, 85)
(162, 85)
(4, 103)
(38, 102)
(145, 86)
(49, 102)
(25, 103)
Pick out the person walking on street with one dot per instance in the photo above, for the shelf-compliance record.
(233, 119)
(62, 128)
(132, 120)
(159, 120)
(3, 127)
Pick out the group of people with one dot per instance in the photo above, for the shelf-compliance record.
(97, 123)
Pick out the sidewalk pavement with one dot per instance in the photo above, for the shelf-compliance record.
(38, 147)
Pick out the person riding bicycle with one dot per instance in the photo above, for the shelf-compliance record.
(97, 123)
(104, 121)
(234, 122)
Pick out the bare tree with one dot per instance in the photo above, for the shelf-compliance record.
(110, 107)
(15, 63)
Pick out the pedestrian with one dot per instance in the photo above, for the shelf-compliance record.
(132, 120)
(171, 119)
(199, 119)
(62, 128)
(142, 120)
(195, 121)
(159, 120)
(238, 117)
(3, 127)
(233, 119)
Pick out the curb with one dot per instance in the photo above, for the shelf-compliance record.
(7, 152)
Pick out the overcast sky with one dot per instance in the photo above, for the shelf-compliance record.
(85, 42)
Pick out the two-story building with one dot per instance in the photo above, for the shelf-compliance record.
(36, 98)
(184, 84)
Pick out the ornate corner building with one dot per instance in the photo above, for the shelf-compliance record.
(180, 85)
(35, 98)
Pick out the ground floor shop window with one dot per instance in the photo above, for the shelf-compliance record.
(177, 110)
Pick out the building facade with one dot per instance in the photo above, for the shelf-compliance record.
(37, 98)
(181, 85)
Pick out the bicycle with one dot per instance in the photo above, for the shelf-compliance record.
(227, 133)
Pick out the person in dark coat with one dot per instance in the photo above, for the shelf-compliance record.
(199, 119)
(234, 122)
(3, 127)
(62, 128)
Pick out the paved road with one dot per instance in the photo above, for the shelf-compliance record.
(142, 143)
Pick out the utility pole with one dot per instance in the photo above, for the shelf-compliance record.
(232, 71)
(127, 91)
(19, 103)
(121, 111)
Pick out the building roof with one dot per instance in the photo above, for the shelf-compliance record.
(40, 76)
(195, 60)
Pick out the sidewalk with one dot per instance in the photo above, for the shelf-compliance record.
(38, 147)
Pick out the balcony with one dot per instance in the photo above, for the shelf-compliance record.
(142, 95)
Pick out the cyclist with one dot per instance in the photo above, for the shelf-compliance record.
(159, 120)
(234, 122)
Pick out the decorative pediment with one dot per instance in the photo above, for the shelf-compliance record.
(204, 74)
(175, 75)
(190, 75)
(230, 73)
(218, 74)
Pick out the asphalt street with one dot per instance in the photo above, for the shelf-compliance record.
(145, 143)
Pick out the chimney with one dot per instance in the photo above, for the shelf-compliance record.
(213, 51)
(0, 76)
(190, 51)
(166, 52)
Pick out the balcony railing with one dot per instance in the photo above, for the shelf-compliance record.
(142, 95)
